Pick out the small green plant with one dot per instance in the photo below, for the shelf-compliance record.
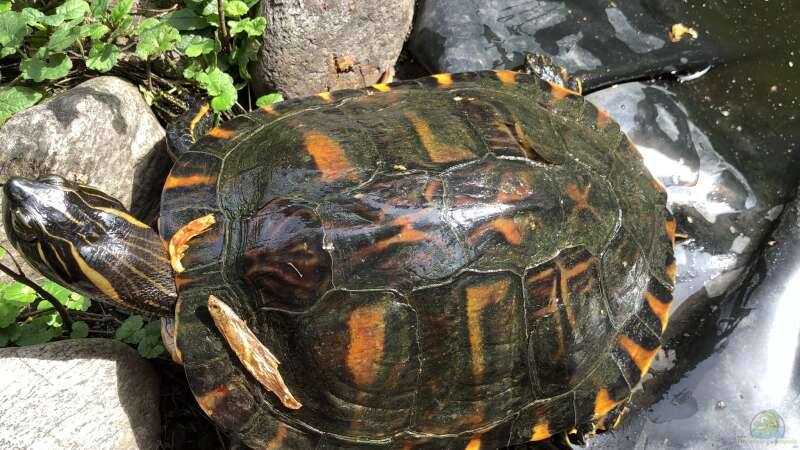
(146, 336)
(28, 319)
(213, 41)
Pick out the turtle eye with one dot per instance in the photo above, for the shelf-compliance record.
(21, 224)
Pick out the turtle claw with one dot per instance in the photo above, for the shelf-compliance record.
(254, 355)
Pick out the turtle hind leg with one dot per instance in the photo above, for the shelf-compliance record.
(543, 67)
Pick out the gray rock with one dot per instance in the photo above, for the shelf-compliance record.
(78, 394)
(312, 46)
(100, 132)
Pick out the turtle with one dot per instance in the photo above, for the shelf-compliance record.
(470, 260)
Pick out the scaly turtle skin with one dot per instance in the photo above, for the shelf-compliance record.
(461, 261)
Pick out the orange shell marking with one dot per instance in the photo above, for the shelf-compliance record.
(366, 327)
(641, 356)
(506, 77)
(443, 79)
(209, 401)
(221, 133)
(473, 444)
(478, 299)
(603, 403)
(328, 156)
(190, 181)
(180, 240)
(659, 308)
(541, 430)
(437, 152)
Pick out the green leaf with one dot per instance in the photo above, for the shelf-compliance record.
(253, 27)
(147, 95)
(12, 30)
(268, 99)
(94, 30)
(98, 7)
(80, 329)
(235, 8)
(198, 45)
(102, 57)
(186, 19)
(9, 313)
(2, 250)
(123, 28)
(73, 9)
(130, 326)
(19, 293)
(219, 86)
(51, 68)
(155, 37)
(9, 334)
(5, 6)
(56, 290)
(15, 99)
(78, 302)
(64, 37)
(150, 346)
(36, 331)
(136, 337)
(120, 10)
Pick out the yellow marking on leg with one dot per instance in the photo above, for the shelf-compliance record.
(366, 328)
(507, 77)
(180, 240)
(541, 430)
(438, 152)
(381, 87)
(255, 356)
(641, 356)
(659, 308)
(325, 96)
(196, 119)
(443, 79)
(478, 299)
(329, 157)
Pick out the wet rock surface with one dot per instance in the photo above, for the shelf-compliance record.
(312, 46)
(606, 41)
(719, 379)
(86, 393)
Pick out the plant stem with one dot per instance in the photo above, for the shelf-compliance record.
(226, 38)
(21, 278)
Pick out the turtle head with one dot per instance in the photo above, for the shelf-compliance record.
(85, 239)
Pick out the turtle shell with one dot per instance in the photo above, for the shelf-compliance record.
(460, 261)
